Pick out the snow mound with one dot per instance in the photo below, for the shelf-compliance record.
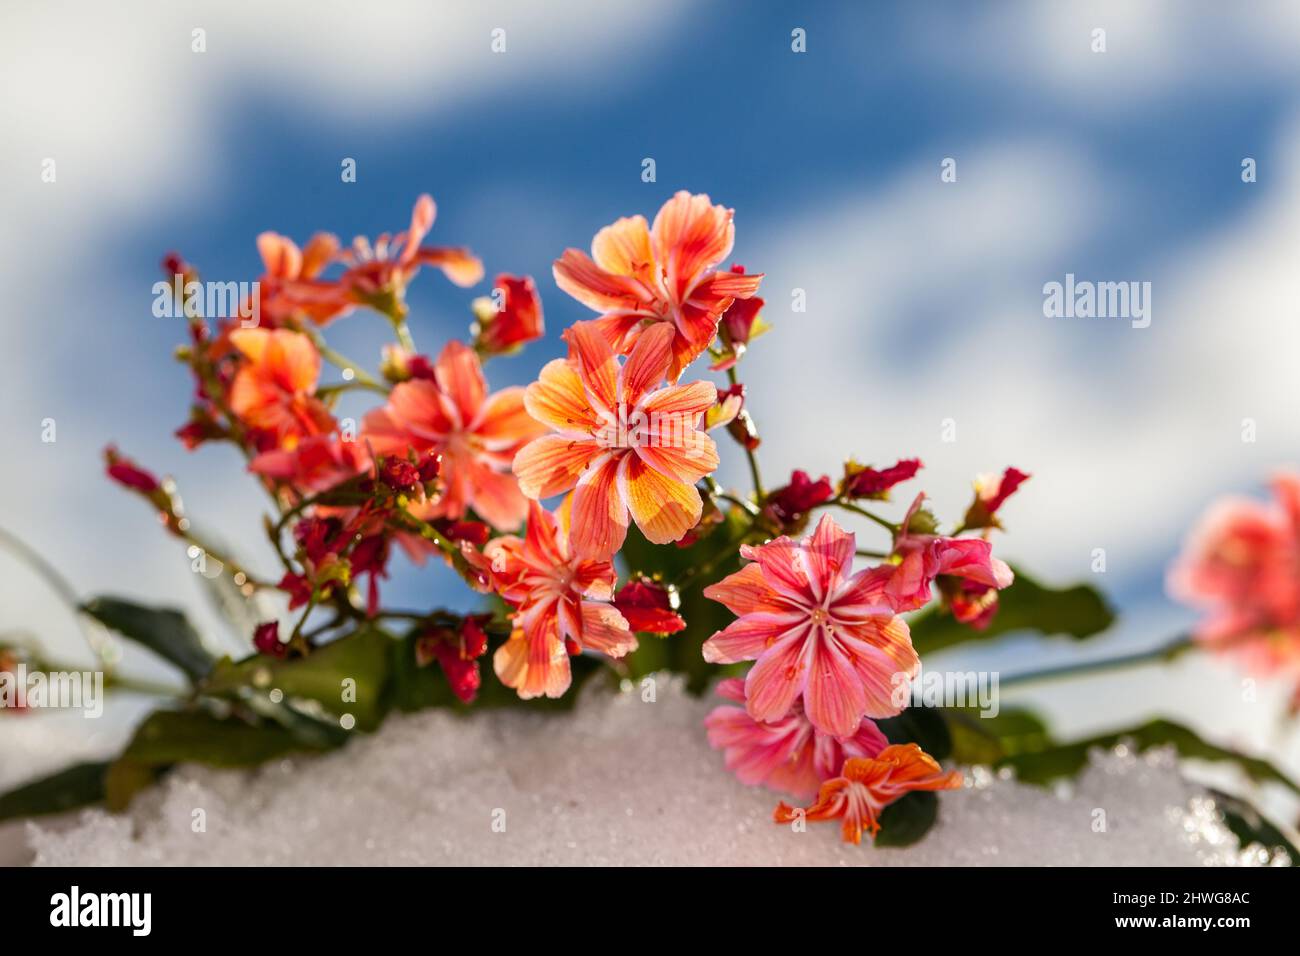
(621, 780)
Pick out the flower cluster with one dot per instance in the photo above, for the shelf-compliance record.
(537, 494)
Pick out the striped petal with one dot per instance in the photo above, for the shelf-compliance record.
(596, 364)
(552, 464)
(558, 399)
(598, 519)
(663, 508)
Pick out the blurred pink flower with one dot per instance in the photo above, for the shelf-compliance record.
(1241, 565)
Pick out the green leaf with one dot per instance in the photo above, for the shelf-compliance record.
(1066, 760)
(164, 631)
(987, 740)
(124, 778)
(1078, 612)
(919, 725)
(77, 786)
(362, 657)
(1250, 826)
(908, 819)
(178, 736)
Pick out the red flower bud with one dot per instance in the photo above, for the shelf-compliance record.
(298, 589)
(399, 474)
(862, 482)
(516, 322)
(474, 532)
(969, 601)
(318, 537)
(990, 494)
(126, 473)
(648, 606)
(266, 638)
(790, 503)
(430, 467)
(201, 428)
(457, 653)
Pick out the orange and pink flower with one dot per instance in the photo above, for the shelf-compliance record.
(274, 391)
(789, 753)
(291, 284)
(869, 784)
(639, 276)
(378, 273)
(622, 444)
(562, 607)
(816, 630)
(477, 434)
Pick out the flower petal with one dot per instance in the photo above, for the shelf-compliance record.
(827, 554)
(623, 248)
(598, 520)
(834, 699)
(746, 592)
(881, 651)
(459, 373)
(690, 235)
(686, 458)
(535, 666)
(604, 629)
(746, 638)
(558, 399)
(504, 422)
(596, 365)
(785, 573)
(684, 400)
(664, 508)
(552, 464)
(647, 364)
(458, 264)
(779, 677)
(594, 287)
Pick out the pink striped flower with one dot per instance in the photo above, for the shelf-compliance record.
(816, 630)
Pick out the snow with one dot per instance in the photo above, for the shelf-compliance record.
(620, 780)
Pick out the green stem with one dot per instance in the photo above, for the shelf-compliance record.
(716, 491)
(849, 506)
(404, 335)
(759, 493)
(341, 361)
(1161, 652)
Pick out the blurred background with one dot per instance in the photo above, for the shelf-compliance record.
(924, 298)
